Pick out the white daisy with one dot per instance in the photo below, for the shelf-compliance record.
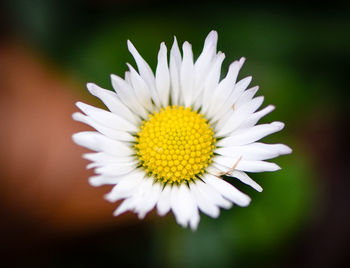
(169, 138)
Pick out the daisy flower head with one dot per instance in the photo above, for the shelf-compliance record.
(170, 140)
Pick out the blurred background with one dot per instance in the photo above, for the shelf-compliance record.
(298, 54)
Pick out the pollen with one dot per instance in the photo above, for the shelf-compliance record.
(175, 145)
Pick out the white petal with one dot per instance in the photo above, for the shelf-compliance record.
(117, 161)
(127, 95)
(203, 67)
(260, 150)
(145, 72)
(233, 72)
(127, 204)
(93, 165)
(125, 187)
(214, 169)
(208, 52)
(240, 87)
(236, 163)
(254, 118)
(243, 177)
(204, 203)
(109, 132)
(236, 93)
(210, 42)
(142, 199)
(104, 180)
(107, 158)
(113, 103)
(254, 151)
(212, 81)
(257, 166)
(227, 190)
(246, 96)
(98, 142)
(225, 88)
(281, 149)
(106, 118)
(162, 76)
(133, 200)
(163, 204)
(127, 77)
(194, 221)
(179, 216)
(250, 135)
(187, 75)
(238, 116)
(139, 195)
(228, 162)
(213, 195)
(183, 205)
(175, 65)
(116, 169)
(142, 92)
(205, 59)
(219, 169)
(150, 197)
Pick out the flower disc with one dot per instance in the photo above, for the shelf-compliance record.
(175, 145)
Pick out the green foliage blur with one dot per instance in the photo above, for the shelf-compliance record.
(298, 59)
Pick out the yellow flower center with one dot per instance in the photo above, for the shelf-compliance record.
(175, 144)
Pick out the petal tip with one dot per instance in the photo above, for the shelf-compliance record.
(130, 45)
(278, 125)
(246, 201)
(79, 104)
(117, 212)
(75, 136)
(76, 116)
(186, 45)
(92, 88)
(93, 182)
(242, 60)
(276, 168)
(90, 85)
(212, 35)
(108, 198)
(287, 149)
